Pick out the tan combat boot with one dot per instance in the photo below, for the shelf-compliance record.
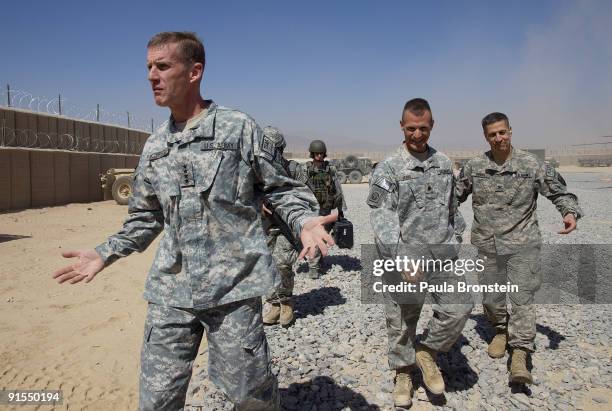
(518, 367)
(272, 314)
(432, 377)
(402, 391)
(286, 313)
(497, 347)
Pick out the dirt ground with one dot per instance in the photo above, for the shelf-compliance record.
(83, 339)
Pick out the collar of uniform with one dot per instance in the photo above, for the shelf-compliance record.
(205, 128)
(413, 162)
(509, 164)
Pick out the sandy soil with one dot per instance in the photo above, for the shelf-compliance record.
(83, 339)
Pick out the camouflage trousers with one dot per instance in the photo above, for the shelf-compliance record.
(450, 309)
(522, 269)
(238, 355)
(284, 256)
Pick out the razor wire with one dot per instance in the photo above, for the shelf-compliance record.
(25, 138)
(60, 106)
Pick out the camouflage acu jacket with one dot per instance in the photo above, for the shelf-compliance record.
(412, 202)
(202, 187)
(504, 199)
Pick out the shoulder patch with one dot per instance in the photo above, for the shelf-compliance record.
(550, 171)
(376, 196)
(268, 148)
(385, 184)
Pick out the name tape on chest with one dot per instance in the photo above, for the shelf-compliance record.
(159, 154)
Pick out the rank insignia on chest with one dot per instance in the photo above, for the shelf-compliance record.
(186, 174)
(499, 188)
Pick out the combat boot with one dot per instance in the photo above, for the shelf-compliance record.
(272, 314)
(286, 313)
(518, 367)
(497, 347)
(402, 391)
(432, 377)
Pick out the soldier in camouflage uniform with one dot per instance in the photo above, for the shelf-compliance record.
(279, 307)
(504, 184)
(321, 177)
(200, 180)
(413, 210)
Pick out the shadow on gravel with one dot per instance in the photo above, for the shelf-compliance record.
(314, 301)
(554, 338)
(347, 262)
(486, 332)
(458, 375)
(326, 394)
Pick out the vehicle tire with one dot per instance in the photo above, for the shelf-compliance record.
(355, 177)
(122, 189)
(341, 176)
(351, 162)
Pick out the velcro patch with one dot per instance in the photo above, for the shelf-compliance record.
(385, 184)
(377, 196)
(444, 171)
(550, 171)
(212, 145)
(268, 148)
(159, 154)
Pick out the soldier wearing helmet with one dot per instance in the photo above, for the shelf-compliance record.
(279, 307)
(321, 178)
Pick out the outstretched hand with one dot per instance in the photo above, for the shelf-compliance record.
(89, 264)
(570, 224)
(315, 236)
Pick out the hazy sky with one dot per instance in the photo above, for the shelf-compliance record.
(336, 70)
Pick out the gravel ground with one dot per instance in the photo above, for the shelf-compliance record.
(334, 356)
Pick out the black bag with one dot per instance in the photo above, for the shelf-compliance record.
(343, 233)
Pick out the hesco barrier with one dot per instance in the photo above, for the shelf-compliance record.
(48, 160)
(26, 129)
(38, 178)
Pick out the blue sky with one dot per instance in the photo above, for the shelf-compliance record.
(339, 70)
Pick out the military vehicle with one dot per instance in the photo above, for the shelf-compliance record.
(117, 184)
(595, 160)
(352, 169)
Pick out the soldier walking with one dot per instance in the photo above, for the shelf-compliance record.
(200, 180)
(504, 183)
(321, 177)
(279, 306)
(413, 208)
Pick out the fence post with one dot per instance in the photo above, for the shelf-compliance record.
(98, 113)
(8, 95)
(128, 118)
(151, 125)
(59, 98)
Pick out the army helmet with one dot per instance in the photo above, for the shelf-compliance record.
(275, 135)
(317, 146)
